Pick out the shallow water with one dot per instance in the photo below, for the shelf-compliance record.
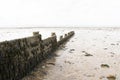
(71, 62)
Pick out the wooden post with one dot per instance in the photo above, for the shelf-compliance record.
(65, 35)
(61, 37)
(53, 34)
(35, 33)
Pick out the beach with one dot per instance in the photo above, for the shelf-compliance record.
(91, 54)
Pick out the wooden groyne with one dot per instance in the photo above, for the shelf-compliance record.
(18, 57)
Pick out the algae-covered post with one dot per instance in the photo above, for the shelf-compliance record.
(54, 43)
(37, 34)
(18, 57)
(61, 37)
(65, 35)
(53, 34)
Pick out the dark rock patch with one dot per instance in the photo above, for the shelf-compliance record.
(105, 48)
(111, 77)
(105, 66)
(88, 54)
(71, 50)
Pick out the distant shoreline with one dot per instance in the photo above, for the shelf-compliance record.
(59, 27)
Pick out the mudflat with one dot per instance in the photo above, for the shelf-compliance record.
(91, 54)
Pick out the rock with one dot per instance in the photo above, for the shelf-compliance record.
(111, 77)
(105, 48)
(83, 51)
(71, 50)
(68, 62)
(112, 44)
(86, 54)
(105, 66)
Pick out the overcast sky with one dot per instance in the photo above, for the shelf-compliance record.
(35, 13)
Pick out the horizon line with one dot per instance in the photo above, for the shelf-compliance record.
(51, 27)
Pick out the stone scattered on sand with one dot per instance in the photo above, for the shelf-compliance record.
(112, 44)
(71, 50)
(102, 77)
(105, 66)
(68, 62)
(105, 48)
(86, 54)
(112, 54)
(83, 51)
(111, 77)
(117, 44)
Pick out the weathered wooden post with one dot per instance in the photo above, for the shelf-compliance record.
(69, 34)
(53, 34)
(65, 35)
(54, 45)
(61, 37)
(41, 47)
(37, 34)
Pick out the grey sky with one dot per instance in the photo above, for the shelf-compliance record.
(41, 13)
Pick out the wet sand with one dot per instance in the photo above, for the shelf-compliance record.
(89, 55)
